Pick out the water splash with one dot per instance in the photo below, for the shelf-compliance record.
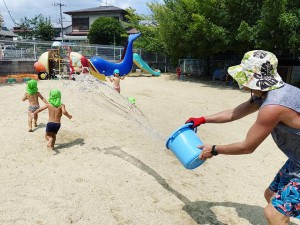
(110, 100)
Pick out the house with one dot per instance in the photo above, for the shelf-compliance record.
(59, 28)
(84, 18)
(5, 34)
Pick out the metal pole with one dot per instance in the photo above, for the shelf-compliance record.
(114, 47)
(34, 50)
(61, 24)
(61, 20)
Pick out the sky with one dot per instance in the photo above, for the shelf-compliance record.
(14, 10)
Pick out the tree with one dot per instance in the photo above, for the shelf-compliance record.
(200, 28)
(106, 31)
(39, 27)
(45, 31)
(278, 29)
(150, 39)
(172, 23)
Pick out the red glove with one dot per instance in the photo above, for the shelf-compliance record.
(196, 121)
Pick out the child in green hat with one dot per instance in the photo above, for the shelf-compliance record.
(32, 95)
(55, 110)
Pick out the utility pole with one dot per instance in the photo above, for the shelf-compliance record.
(60, 19)
(1, 20)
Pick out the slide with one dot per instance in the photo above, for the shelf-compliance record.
(106, 68)
(143, 65)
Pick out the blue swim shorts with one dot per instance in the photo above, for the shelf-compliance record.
(52, 127)
(287, 188)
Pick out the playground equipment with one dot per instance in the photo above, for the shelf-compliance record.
(107, 68)
(139, 62)
(51, 63)
(60, 60)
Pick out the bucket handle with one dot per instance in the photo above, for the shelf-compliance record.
(184, 126)
(195, 129)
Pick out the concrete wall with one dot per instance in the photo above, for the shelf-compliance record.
(9, 67)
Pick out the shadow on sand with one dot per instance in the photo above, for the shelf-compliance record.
(199, 211)
(78, 141)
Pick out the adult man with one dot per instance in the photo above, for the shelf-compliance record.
(278, 106)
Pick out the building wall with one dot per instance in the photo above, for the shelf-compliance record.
(9, 67)
(93, 17)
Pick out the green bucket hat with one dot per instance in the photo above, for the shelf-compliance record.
(257, 71)
(55, 98)
(31, 88)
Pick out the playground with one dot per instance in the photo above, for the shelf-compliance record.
(116, 155)
(110, 167)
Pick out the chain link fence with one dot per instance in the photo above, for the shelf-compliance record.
(31, 51)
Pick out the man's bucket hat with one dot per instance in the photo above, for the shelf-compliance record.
(257, 71)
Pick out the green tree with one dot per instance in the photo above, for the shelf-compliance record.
(45, 31)
(278, 28)
(150, 39)
(172, 25)
(38, 27)
(106, 31)
(200, 28)
(240, 17)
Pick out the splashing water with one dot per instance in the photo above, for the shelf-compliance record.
(113, 102)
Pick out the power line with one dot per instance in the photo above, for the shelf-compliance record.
(61, 20)
(9, 13)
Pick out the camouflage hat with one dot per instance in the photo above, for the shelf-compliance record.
(257, 71)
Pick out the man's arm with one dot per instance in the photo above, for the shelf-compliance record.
(238, 112)
(268, 117)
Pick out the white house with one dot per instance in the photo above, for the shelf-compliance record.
(84, 18)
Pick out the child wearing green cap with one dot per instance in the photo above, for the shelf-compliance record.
(116, 80)
(55, 109)
(32, 95)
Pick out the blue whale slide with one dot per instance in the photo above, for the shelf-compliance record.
(139, 62)
(106, 68)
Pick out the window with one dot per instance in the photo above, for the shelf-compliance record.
(80, 24)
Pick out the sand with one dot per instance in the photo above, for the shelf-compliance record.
(111, 166)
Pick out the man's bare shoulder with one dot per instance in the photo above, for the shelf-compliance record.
(271, 114)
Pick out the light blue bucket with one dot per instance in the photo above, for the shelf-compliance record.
(183, 143)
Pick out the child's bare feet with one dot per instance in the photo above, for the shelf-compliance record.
(49, 145)
(50, 148)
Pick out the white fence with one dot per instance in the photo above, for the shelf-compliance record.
(32, 51)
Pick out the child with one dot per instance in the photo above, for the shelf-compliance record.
(55, 110)
(33, 96)
(116, 79)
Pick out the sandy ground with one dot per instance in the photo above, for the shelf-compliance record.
(111, 166)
